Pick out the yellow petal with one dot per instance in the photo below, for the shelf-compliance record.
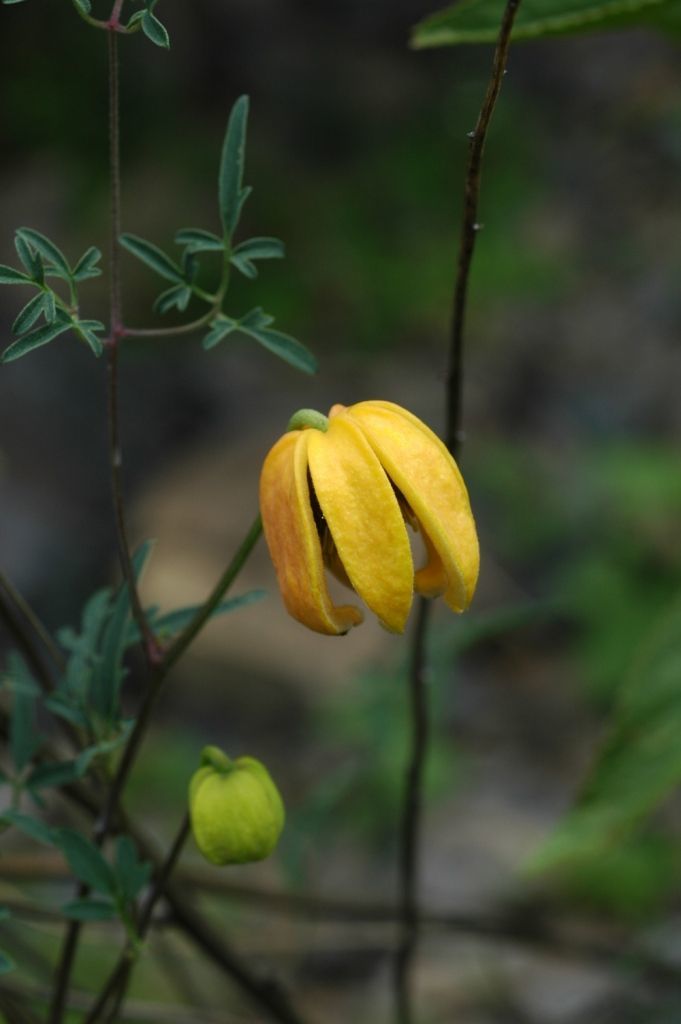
(293, 541)
(422, 468)
(364, 518)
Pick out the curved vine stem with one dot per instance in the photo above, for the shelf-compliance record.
(412, 802)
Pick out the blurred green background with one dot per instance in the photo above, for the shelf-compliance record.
(356, 152)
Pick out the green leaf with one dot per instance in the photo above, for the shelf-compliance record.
(245, 267)
(8, 275)
(478, 21)
(106, 683)
(31, 312)
(86, 266)
(53, 774)
(260, 249)
(176, 297)
(231, 194)
(83, 5)
(198, 240)
(255, 249)
(155, 30)
(32, 827)
(85, 860)
(24, 736)
(50, 306)
(190, 267)
(30, 259)
(74, 686)
(154, 257)
(6, 962)
(34, 339)
(172, 623)
(64, 707)
(48, 250)
(88, 331)
(219, 329)
(256, 318)
(282, 345)
(89, 910)
(639, 764)
(88, 755)
(132, 874)
(60, 773)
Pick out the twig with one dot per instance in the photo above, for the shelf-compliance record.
(8, 592)
(152, 651)
(116, 986)
(411, 816)
(470, 228)
(409, 853)
(159, 674)
(17, 628)
(183, 641)
(150, 644)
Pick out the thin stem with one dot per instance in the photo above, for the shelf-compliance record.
(169, 332)
(18, 616)
(411, 818)
(115, 181)
(116, 986)
(160, 672)
(265, 992)
(150, 644)
(470, 228)
(411, 821)
(65, 968)
(104, 825)
(185, 638)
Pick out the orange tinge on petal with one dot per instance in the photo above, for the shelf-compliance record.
(293, 540)
(425, 473)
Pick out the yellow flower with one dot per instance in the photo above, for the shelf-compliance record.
(340, 497)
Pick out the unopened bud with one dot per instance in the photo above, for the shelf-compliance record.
(237, 814)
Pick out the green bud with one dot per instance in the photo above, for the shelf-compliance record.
(236, 811)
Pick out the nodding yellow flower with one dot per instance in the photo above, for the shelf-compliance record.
(339, 497)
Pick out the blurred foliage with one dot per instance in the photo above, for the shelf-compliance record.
(600, 847)
(603, 521)
(477, 21)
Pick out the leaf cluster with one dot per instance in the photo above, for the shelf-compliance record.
(145, 19)
(47, 315)
(196, 242)
(87, 696)
(153, 29)
(117, 882)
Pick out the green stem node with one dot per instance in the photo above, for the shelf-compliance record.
(308, 418)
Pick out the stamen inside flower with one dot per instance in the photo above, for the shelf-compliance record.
(330, 555)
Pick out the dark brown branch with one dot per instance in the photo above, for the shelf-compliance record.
(150, 644)
(409, 913)
(470, 228)
(12, 598)
(411, 816)
(23, 636)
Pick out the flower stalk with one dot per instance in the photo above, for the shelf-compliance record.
(413, 796)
